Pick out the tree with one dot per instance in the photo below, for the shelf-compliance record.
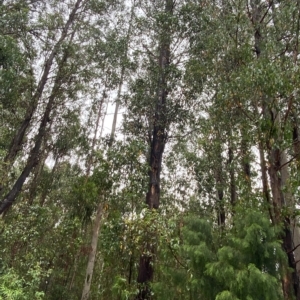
(19, 136)
(196, 194)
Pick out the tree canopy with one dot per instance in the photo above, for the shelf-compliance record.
(149, 149)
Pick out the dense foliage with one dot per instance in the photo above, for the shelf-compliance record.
(149, 149)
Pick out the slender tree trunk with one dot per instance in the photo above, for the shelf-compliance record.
(293, 221)
(103, 120)
(246, 161)
(36, 180)
(100, 112)
(296, 138)
(114, 124)
(278, 173)
(97, 222)
(92, 254)
(233, 194)
(264, 179)
(39, 169)
(220, 184)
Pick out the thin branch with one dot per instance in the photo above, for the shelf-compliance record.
(177, 259)
(289, 161)
(246, 114)
(182, 136)
(294, 250)
(263, 17)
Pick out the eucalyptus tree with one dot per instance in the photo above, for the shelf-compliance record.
(251, 105)
(158, 124)
(264, 100)
(16, 74)
(59, 80)
(117, 65)
(274, 57)
(212, 98)
(155, 105)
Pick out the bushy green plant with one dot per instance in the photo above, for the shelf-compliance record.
(243, 264)
(16, 287)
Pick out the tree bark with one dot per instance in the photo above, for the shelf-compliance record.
(92, 254)
(36, 180)
(159, 135)
(219, 178)
(17, 141)
(265, 185)
(291, 286)
(233, 194)
(99, 114)
(34, 154)
(97, 222)
(114, 124)
(246, 161)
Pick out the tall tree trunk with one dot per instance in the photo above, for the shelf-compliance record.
(17, 141)
(99, 114)
(281, 198)
(97, 222)
(246, 161)
(159, 134)
(264, 179)
(219, 178)
(291, 286)
(114, 124)
(34, 154)
(296, 138)
(36, 180)
(233, 194)
(92, 253)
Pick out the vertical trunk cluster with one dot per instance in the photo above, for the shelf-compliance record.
(99, 214)
(277, 170)
(17, 141)
(159, 134)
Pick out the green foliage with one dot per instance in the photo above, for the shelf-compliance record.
(241, 263)
(15, 287)
(221, 98)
